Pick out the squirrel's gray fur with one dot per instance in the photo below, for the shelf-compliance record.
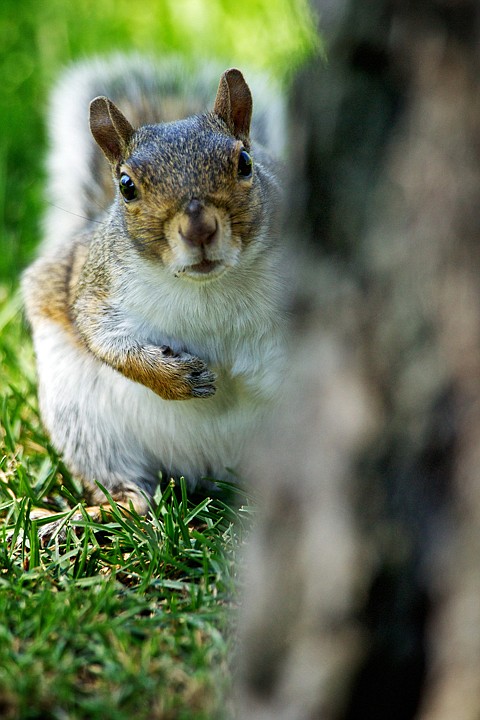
(138, 306)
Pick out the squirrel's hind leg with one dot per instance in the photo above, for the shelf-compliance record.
(126, 500)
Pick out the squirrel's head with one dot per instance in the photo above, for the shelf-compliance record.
(188, 189)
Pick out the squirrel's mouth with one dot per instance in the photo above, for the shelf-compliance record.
(205, 266)
(206, 269)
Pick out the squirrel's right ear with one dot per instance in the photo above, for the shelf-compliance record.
(110, 128)
(234, 103)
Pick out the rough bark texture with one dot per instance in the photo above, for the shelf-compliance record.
(363, 576)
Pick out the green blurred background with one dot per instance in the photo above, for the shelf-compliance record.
(38, 37)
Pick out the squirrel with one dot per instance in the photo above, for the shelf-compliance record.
(155, 302)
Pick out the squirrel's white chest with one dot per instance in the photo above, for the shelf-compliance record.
(239, 338)
(234, 327)
(237, 335)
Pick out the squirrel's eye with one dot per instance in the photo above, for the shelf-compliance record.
(127, 188)
(244, 165)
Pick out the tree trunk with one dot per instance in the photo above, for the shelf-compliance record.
(363, 582)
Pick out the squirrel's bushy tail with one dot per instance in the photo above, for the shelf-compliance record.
(80, 187)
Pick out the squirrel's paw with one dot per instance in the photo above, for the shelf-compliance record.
(53, 525)
(192, 378)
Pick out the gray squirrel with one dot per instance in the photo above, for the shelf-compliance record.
(155, 302)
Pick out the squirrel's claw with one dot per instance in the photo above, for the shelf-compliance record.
(197, 379)
(201, 380)
(204, 391)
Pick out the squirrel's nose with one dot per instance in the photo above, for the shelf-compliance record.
(198, 224)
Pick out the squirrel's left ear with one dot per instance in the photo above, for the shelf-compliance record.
(234, 103)
(110, 128)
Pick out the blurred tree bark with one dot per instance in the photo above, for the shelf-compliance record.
(363, 583)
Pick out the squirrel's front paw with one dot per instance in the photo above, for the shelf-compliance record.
(191, 378)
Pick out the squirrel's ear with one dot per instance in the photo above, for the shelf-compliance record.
(110, 128)
(234, 103)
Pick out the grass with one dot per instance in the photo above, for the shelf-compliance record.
(130, 619)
